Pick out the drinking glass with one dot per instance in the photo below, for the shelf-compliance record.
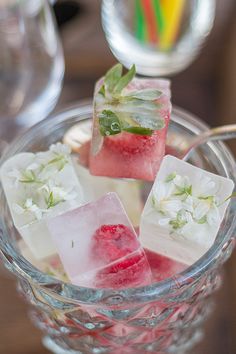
(165, 317)
(31, 64)
(161, 37)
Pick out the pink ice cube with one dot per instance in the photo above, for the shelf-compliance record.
(98, 246)
(127, 154)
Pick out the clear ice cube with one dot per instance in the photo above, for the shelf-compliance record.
(98, 246)
(184, 211)
(37, 187)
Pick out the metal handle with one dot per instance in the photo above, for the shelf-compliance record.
(225, 132)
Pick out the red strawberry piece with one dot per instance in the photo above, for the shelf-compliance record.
(131, 271)
(127, 143)
(111, 242)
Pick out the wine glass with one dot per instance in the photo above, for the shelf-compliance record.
(161, 37)
(31, 64)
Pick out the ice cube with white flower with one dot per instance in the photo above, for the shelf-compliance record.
(39, 186)
(184, 210)
(98, 245)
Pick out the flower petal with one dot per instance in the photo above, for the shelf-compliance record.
(201, 210)
(213, 217)
(164, 221)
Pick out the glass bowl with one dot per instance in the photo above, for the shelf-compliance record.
(164, 317)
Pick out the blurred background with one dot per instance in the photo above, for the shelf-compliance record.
(207, 88)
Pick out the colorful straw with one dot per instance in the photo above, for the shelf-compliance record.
(158, 21)
(150, 20)
(172, 10)
(140, 26)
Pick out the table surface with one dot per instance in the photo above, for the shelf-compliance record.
(195, 90)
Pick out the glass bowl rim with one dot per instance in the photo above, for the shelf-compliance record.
(16, 263)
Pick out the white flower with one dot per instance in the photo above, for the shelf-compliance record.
(213, 215)
(56, 193)
(181, 223)
(184, 207)
(33, 166)
(188, 203)
(15, 174)
(48, 171)
(182, 181)
(29, 206)
(162, 200)
(205, 187)
(187, 221)
(60, 149)
(33, 208)
(206, 210)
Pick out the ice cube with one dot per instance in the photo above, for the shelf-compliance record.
(184, 211)
(122, 153)
(98, 246)
(129, 191)
(51, 265)
(37, 187)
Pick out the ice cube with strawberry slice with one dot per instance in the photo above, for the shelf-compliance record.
(98, 245)
(130, 122)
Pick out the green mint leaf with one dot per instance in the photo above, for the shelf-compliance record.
(138, 130)
(124, 80)
(145, 94)
(112, 77)
(102, 91)
(109, 123)
(170, 177)
(134, 105)
(148, 121)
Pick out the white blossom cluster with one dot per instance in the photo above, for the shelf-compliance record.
(183, 206)
(43, 191)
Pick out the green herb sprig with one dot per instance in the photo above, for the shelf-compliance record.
(124, 107)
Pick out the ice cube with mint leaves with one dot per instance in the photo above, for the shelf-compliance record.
(130, 122)
(98, 246)
(184, 210)
(37, 187)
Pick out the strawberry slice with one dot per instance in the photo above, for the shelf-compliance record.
(111, 242)
(131, 271)
(127, 143)
(125, 262)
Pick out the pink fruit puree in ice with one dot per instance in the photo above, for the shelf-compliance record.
(132, 155)
(114, 244)
(162, 267)
(111, 242)
(98, 245)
